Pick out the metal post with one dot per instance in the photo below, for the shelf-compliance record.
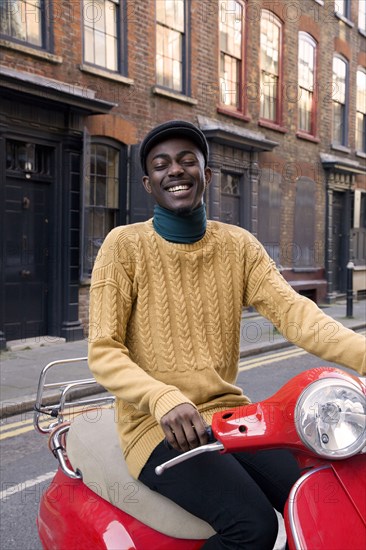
(350, 267)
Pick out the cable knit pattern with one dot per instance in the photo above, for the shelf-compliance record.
(145, 354)
(231, 338)
(165, 324)
(184, 334)
(167, 362)
(199, 324)
(213, 306)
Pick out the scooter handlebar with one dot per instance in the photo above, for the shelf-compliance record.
(212, 446)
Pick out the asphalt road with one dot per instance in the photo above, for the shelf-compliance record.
(27, 466)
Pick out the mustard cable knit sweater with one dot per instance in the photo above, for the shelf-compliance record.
(165, 324)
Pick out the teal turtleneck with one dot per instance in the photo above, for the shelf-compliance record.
(180, 228)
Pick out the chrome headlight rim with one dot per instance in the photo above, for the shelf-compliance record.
(310, 393)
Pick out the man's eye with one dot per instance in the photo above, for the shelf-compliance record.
(188, 162)
(160, 166)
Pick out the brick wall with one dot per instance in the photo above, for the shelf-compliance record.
(139, 107)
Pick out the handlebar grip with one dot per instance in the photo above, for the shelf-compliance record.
(210, 435)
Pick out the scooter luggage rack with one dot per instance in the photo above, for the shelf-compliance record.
(57, 406)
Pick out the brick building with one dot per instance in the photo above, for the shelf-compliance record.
(279, 88)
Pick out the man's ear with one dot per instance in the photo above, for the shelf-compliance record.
(208, 176)
(146, 184)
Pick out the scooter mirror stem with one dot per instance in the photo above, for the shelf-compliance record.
(217, 446)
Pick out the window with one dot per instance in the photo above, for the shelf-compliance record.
(230, 207)
(171, 42)
(231, 49)
(24, 21)
(342, 7)
(362, 15)
(28, 159)
(361, 111)
(339, 133)
(303, 247)
(269, 211)
(306, 68)
(101, 33)
(270, 50)
(101, 200)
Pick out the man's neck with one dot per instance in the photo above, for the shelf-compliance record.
(177, 227)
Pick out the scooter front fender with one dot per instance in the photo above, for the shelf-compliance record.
(327, 507)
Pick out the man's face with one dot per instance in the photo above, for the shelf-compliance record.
(176, 176)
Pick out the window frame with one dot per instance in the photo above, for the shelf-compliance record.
(272, 17)
(121, 39)
(120, 209)
(344, 138)
(302, 35)
(346, 12)
(186, 53)
(363, 149)
(46, 25)
(361, 28)
(241, 105)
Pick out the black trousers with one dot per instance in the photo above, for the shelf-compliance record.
(236, 494)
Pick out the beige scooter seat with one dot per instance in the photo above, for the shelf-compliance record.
(93, 448)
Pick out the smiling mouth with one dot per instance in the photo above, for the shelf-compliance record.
(179, 188)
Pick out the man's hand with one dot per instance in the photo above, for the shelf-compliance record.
(184, 428)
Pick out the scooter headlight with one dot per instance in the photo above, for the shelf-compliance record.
(330, 418)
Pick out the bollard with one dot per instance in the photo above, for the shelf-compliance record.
(350, 267)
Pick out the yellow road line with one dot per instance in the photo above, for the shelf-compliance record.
(14, 433)
(20, 427)
(247, 365)
(273, 355)
(15, 424)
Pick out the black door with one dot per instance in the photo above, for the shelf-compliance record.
(26, 238)
(339, 242)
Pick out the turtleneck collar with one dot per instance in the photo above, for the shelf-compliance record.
(177, 228)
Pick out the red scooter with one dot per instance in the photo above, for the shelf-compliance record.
(93, 503)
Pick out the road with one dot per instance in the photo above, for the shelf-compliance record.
(27, 466)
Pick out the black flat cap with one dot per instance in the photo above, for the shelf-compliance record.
(173, 129)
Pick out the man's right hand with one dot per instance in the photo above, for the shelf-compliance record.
(184, 428)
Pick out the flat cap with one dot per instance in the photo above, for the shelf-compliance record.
(173, 129)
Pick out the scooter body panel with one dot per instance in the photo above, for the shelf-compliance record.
(327, 508)
(74, 517)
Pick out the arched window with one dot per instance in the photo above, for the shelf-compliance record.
(101, 199)
(361, 111)
(307, 82)
(340, 100)
(270, 64)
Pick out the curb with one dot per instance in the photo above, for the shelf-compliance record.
(281, 343)
(26, 404)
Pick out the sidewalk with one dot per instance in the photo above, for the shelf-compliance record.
(20, 366)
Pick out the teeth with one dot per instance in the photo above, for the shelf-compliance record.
(178, 188)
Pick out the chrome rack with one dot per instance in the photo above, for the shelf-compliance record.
(53, 399)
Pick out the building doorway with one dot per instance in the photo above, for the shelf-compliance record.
(26, 229)
(340, 236)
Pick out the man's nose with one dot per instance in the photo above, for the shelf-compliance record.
(175, 169)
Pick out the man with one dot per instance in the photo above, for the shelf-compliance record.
(165, 311)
